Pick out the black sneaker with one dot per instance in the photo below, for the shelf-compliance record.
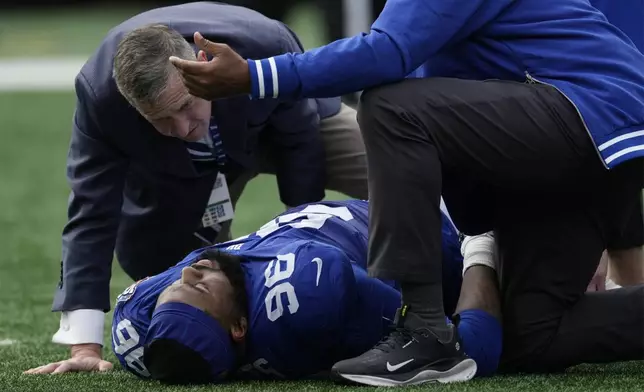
(410, 355)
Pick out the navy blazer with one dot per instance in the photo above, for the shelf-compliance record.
(138, 192)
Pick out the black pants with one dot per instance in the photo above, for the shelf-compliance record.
(517, 159)
(548, 255)
(632, 236)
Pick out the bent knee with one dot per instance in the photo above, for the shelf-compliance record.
(373, 103)
(397, 97)
(378, 94)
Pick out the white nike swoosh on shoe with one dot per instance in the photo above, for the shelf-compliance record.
(319, 262)
(393, 368)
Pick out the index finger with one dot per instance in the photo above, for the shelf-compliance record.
(33, 370)
(188, 66)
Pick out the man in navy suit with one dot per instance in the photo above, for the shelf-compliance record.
(155, 172)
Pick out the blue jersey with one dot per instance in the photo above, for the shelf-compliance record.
(310, 300)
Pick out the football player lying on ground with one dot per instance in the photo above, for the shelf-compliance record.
(287, 302)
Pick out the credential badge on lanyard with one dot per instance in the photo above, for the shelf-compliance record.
(220, 206)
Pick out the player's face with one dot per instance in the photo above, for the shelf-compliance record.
(205, 286)
(177, 113)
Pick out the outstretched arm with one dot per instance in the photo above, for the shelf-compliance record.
(407, 33)
(479, 307)
(96, 173)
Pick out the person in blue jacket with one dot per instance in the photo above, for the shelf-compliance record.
(528, 117)
(286, 302)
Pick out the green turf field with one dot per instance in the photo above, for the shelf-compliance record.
(34, 133)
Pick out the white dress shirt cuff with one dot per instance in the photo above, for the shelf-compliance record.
(80, 327)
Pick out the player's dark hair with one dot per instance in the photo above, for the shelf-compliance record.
(231, 266)
(171, 362)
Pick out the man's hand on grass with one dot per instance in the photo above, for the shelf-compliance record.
(84, 358)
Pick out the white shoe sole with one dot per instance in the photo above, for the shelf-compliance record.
(464, 371)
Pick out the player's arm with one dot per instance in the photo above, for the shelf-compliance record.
(96, 174)
(404, 36)
(478, 312)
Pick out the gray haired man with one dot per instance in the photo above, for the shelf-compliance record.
(156, 172)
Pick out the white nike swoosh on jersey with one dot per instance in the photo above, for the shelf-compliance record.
(393, 368)
(319, 262)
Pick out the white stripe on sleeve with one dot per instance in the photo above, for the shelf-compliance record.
(271, 62)
(260, 78)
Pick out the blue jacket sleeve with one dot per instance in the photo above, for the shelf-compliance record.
(626, 18)
(407, 33)
(96, 175)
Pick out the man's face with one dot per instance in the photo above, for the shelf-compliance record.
(177, 113)
(205, 286)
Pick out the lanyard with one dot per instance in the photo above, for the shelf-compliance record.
(217, 145)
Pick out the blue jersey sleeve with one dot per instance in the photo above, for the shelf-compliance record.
(301, 305)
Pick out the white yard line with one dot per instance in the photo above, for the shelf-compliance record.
(33, 74)
(7, 342)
